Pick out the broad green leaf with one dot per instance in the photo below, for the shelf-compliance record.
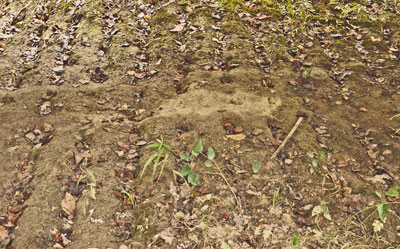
(314, 162)
(310, 154)
(327, 215)
(296, 240)
(378, 194)
(193, 178)
(147, 163)
(317, 210)
(393, 192)
(208, 163)
(186, 170)
(185, 156)
(382, 210)
(211, 153)
(197, 148)
(322, 155)
(256, 166)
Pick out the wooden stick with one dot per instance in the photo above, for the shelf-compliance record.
(299, 120)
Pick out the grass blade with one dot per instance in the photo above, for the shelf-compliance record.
(169, 148)
(147, 163)
(162, 166)
(90, 173)
(160, 152)
(152, 146)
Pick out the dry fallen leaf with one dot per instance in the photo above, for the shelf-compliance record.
(68, 204)
(167, 235)
(123, 145)
(237, 137)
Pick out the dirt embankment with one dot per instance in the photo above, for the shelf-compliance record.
(86, 85)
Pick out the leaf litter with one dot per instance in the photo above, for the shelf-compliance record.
(324, 81)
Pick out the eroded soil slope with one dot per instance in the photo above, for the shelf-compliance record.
(86, 85)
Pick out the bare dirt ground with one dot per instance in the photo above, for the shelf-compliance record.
(86, 85)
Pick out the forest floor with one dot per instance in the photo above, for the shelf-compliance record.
(87, 85)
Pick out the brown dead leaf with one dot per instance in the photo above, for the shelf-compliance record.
(167, 235)
(123, 145)
(68, 204)
(237, 137)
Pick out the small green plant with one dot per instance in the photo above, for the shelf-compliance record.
(322, 208)
(314, 159)
(256, 165)
(381, 209)
(305, 72)
(359, 9)
(295, 241)
(66, 4)
(161, 148)
(91, 184)
(232, 4)
(192, 177)
(300, 11)
(130, 196)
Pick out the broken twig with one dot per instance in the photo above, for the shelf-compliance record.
(299, 120)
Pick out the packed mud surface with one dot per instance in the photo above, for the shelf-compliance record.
(274, 124)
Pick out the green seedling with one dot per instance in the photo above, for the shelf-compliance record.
(161, 148)
(256, 165)
(91, 184)
(192, 177)
(314, 159)
(232, 4)
(295, 241)
(322, 208)
(382, 209)
(130, 196)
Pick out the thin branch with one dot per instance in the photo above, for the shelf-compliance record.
(287, 137)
